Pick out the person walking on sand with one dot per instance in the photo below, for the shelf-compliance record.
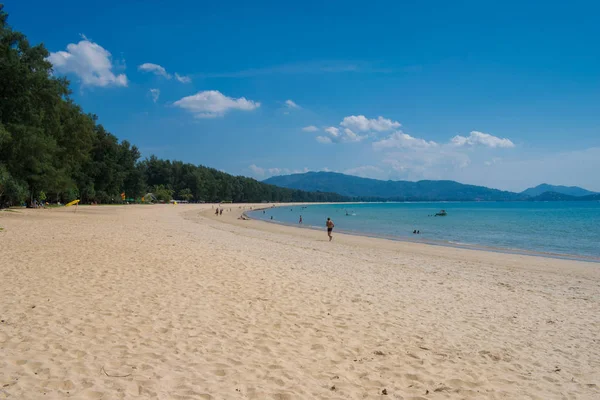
(330, 226)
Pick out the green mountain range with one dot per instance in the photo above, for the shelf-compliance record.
(373, 189)
(568, 190)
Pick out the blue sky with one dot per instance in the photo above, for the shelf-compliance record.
(502, 94)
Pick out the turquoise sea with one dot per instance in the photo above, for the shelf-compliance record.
(570, 229)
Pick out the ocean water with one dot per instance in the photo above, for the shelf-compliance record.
(571, 229)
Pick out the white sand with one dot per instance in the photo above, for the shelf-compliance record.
(161, 302)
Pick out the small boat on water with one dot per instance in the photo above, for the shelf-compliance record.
(442, 213)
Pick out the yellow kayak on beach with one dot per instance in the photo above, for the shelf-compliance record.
(72, 203)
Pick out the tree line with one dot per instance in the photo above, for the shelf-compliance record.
(51, 150)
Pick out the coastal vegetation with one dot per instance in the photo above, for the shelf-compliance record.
(53, 151)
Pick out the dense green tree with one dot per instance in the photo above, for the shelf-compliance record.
(185, 194)
(12, 192)
(162, 193)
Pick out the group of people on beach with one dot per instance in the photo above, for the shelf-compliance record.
(37, 204)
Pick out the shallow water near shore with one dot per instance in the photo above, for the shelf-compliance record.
(569, 229)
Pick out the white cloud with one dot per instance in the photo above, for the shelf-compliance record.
(291, 104)
(90, 62)
(155, 69)
(366, 171)
(261, 173)
(212, 103)
(333, 131)
(350, 136)
(182, 79)
(361, 123)
(426, 163)
(159, 70)
(483, 139)
(493, 161)
(337, 136)
(277, 171)
(256, 170)
(400, 139)
(155, 93)
(350, 126)
(415, 158)
(323, 139)
(285, 171)
(310, 128)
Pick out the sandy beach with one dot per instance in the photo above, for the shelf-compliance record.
(171, 302)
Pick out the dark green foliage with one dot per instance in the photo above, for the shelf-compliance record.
(11, 191)
(50, 149)
(162, 193)
(185, 194)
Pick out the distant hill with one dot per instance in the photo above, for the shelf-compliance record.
(373, 189)
(554, 196)
(568, 190)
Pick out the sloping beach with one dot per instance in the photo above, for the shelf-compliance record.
(171, 302)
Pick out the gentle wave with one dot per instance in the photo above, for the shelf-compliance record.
(555, 229)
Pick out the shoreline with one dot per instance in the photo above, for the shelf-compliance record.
(431, 242)
(534, 262)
